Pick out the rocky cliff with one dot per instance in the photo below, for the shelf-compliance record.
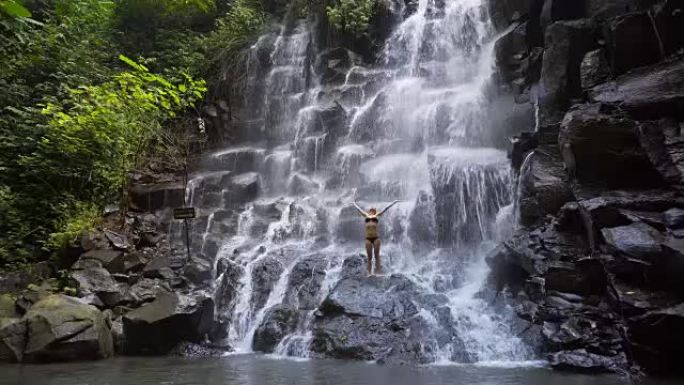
(596, 267)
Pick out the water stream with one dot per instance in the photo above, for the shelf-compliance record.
(322, 131)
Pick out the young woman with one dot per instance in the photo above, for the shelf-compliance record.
(372, 235)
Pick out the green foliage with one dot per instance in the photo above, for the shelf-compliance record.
(351, 16)
(233, 33)
(79, 217)
(97, 134)
(14, 8)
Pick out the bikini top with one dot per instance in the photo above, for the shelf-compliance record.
(372, 220)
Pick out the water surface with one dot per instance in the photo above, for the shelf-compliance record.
(263, 370)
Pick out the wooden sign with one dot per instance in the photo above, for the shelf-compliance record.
(184, 213)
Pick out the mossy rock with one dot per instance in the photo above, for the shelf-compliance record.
(8, 308)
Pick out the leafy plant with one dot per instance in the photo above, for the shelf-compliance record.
(351, 16)
(14, 8)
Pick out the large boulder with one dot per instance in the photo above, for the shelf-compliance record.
(566, 44)
(333, 64)
(544, 187)
(265, 275)
(606, 9)
(62, 328)
(555, 10)
(157, 196)
(605, 148)
(380, 318)
(647, 93)
(278, 322)
(580, 360)
(594, 68)
(112, 260)
(658, 339)
(98, 281)
(155, 328)
(504, 12)
(661, 140)
(12, 339)
(632, 42)
(669, 18)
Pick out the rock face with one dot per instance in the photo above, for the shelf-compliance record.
(600, 181)
(61, 328)
(375, 318)
(155, 328)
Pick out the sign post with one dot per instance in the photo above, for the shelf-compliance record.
(185, 213)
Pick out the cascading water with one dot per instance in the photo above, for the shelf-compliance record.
(412, 128)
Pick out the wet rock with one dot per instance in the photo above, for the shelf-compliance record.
(658, 339)
(632, 42)
(503, 12)
(635, 301)
(522, 145)
(606, 9)
(157, 196)
(637, 240)
(145, 290)
(606, 148)
(159, 267)
(594, 68)
(509, 50)
(566, 44)
(98, 281)
(227, 290)
(245, 187)
(199, 272)
(134, 262)
(155, 328)
(580, 360)
(647, 93)
(238, 160)
(189, 349)
(265, 274)
(584, 277)
(118, 241)
(305, 282)
(375, 318)
(118, 336)
(333, 64)
(674, 218)
(90, 240)
(278, 322)
(112, 260)
(61, 328)
(12, 339)
(543, 186)
(555, 10)
(302, 185)
(8, 308)
(653, 139)
(669, 18)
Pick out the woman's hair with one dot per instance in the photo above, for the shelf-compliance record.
(372, 210)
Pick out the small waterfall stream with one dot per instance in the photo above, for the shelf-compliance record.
(414, 127)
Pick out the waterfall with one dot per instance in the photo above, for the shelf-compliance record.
(324, 131)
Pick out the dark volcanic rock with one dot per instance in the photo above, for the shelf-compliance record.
(376, 318)
(581, 360)
(155, 328)
(503, 12)
(605, 148)
(555, 10)
(265, 274)
(566, 44)
(647, 93)
(594, 68)
(605, 9)
(112, 260)
(658, 338)
(543, 185)
(62, 328)
(584, 277)
(158, 196)
(632, 42)
(278, 322)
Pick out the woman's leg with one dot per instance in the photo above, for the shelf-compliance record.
(369, 255)
(376, 250)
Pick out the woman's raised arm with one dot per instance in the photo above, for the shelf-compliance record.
(387, 208)
(363, 213)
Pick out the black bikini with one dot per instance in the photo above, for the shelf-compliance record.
(371, 239)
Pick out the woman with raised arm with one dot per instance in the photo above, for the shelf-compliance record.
(372, 236)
